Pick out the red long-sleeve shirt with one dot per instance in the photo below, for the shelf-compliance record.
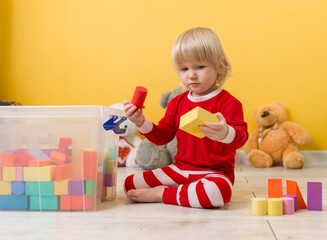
(202, 153)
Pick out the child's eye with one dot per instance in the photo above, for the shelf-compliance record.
(200, 67)
(184, 69)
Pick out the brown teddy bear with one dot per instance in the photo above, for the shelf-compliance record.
(274, 141)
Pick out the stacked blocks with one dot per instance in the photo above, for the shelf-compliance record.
(43, 180)
(278, 204)
(190, 121)
(109, 174)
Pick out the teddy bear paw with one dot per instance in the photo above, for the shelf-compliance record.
(293, 160)
(260, 159)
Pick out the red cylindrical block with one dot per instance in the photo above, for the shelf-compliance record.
(139, 96)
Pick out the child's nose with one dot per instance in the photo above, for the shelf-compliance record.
(192, 74)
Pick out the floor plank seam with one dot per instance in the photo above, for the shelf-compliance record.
(272, 230)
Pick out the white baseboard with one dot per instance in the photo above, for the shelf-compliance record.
(312, 158)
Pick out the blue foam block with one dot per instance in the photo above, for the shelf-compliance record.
(13, 202)
(41, 155)
(18, 188)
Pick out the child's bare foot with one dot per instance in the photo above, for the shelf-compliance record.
(146, 194)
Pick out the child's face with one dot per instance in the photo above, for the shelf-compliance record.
(198, 77)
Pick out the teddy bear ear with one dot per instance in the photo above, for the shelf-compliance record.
(278, 103)
(164, 99)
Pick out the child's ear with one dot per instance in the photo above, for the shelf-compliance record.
(223, 64)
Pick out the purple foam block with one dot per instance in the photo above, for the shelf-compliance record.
(295, 200)
(75, 187)
(314, 196)
(108, 180)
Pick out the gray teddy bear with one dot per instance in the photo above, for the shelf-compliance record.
(150, 156)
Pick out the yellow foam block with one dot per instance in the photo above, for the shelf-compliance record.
(61, 187)
(5, 188)
(259, 206)
(190, 121)
(42, 174)
(110, 166)
(9, 174)
(110, 193)
(275, 207)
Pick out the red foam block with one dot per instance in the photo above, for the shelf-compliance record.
(139, 96)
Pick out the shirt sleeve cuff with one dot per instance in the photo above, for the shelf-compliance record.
(230, 136)
(146, 127)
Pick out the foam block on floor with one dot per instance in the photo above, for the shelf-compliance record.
(275, 188)
(259, 206)
(275, 207)
(314, 196)
(295, 200)
(293, 189)
(288, 205)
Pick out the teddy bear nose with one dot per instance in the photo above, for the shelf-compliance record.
(265, 114)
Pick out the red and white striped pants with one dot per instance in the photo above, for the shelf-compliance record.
(199, 189)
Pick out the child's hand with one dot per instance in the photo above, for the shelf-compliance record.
(215, 131)
(133, 113)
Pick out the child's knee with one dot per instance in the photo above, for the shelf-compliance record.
(220, 192)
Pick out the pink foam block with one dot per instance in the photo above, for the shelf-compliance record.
(288, 205)
(295, 200)
(19, 173)
(139, 97)
(314, 196)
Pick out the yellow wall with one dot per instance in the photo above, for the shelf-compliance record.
(96, 52)
(5, 27)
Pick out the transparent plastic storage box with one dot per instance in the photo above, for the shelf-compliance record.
(57, 158)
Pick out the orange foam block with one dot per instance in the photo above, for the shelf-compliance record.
(57, 157)
(63, 172)
(275, 188)
(39, 163)
(76, 202)
(89, 165)
(8, 159)
(293, 189)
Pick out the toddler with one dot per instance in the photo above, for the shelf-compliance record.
(202, 175)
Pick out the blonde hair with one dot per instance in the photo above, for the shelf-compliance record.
(201, 44)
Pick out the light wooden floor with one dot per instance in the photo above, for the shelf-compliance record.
(122, 219)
